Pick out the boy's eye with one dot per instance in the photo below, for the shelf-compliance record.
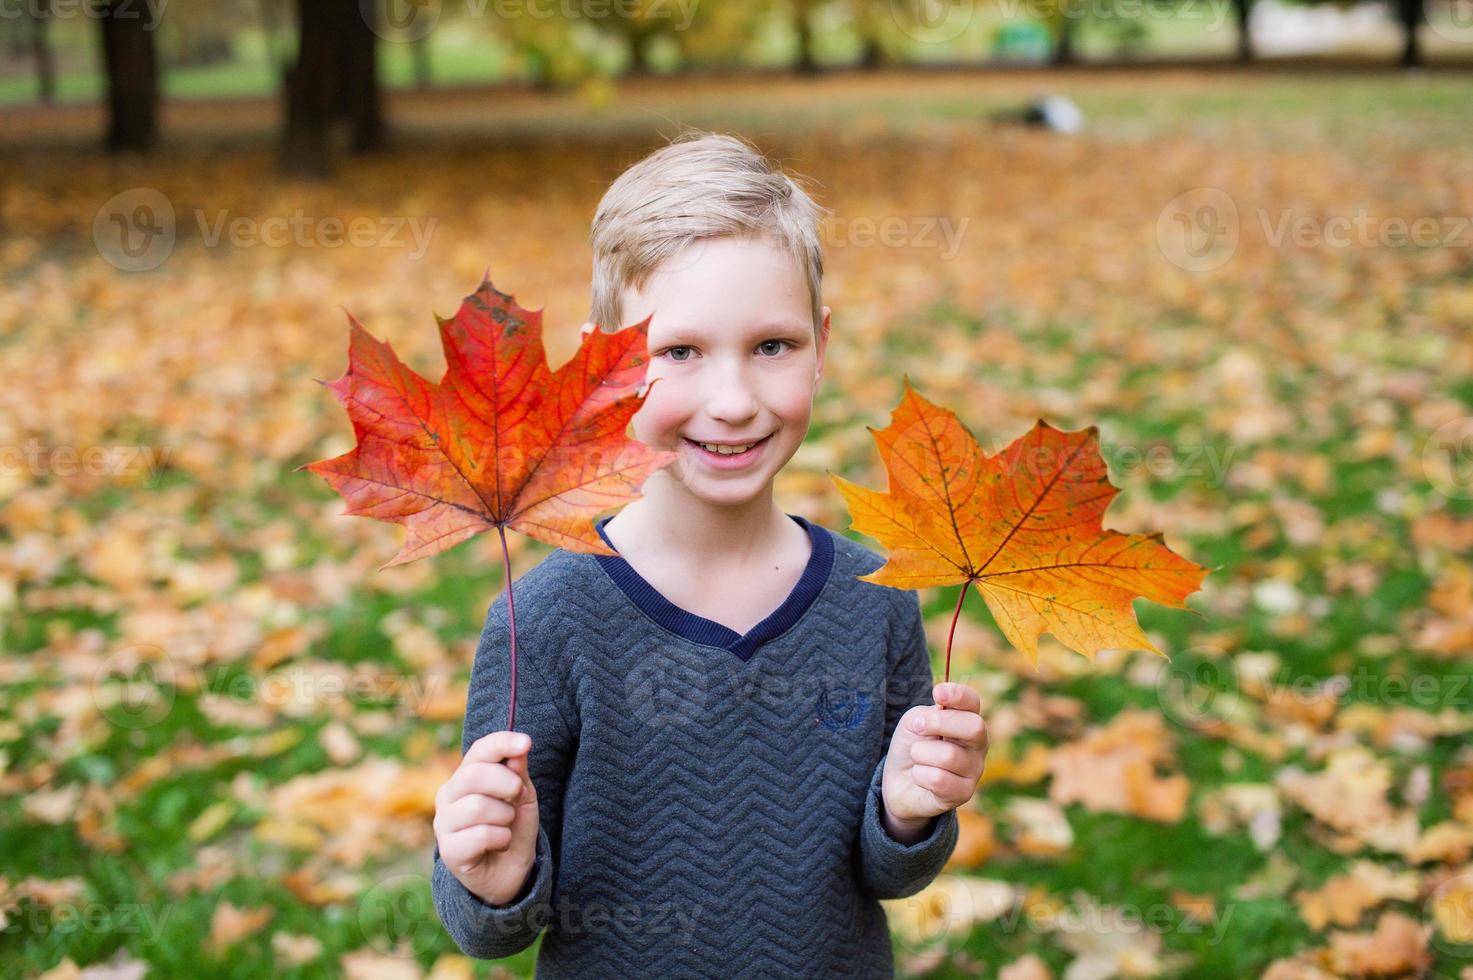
(671, 351)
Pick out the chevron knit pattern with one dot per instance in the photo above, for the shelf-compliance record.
(702, 814)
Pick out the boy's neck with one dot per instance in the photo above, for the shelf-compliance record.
(670, 524)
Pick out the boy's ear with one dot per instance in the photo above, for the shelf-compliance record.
(823, 342)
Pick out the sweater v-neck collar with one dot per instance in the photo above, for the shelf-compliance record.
(699, 629)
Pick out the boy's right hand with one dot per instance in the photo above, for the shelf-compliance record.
(486, 818)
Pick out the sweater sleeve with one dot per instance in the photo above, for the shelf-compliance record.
(888, 868)
(494, 931)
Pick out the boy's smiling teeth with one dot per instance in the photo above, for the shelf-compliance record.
(726, 448)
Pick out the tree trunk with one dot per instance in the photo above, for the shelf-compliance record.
(335, 77)
(638, 62)
(360, 40)
(1410, 13)
(1064, 46)
(41, 52)
(132, 74)
(420, 47)
(806, 65)
(1244, 8)
(309, 92)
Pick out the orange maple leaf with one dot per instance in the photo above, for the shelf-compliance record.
(1023, 524)
(500, 442)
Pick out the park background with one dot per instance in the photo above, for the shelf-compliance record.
(1235, 237)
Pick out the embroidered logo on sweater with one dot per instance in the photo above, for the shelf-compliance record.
(842, 708)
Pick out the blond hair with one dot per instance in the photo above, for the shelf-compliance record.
(700, 185)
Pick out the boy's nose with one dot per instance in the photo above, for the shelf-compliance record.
(732, 402)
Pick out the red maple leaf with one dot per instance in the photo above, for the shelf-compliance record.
(501, 442)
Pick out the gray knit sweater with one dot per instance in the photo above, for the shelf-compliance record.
(710, 802)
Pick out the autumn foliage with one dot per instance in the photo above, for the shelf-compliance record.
(501, 442)
(1023, 524)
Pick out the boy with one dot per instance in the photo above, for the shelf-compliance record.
(717, 773)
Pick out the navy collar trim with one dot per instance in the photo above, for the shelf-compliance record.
(699, 629)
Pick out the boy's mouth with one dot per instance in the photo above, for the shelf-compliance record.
(723, 454)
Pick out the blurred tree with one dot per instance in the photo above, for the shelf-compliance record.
(131, 64)
(420, 49)
(1244, 10)
(646, 21)
(868, 17)
(1409, 14)
(42, 56)
(1412, 15)
(335, 77)
(274, 15)
(723, 36)
(553, 48)
(802, 14)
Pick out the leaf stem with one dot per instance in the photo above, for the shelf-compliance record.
(955, 615)
(511, 616)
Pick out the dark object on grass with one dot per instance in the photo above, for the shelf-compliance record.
(1053, 112)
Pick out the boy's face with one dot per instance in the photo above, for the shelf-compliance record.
(733, 346)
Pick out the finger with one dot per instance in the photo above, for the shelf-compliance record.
(585, 330)
(963, 727)
(464, 847)
(490, 778)
(954, 695)
(472, 809)
(945, 785)
(940, 754)
(496, 746)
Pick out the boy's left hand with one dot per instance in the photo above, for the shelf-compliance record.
(934, 770)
